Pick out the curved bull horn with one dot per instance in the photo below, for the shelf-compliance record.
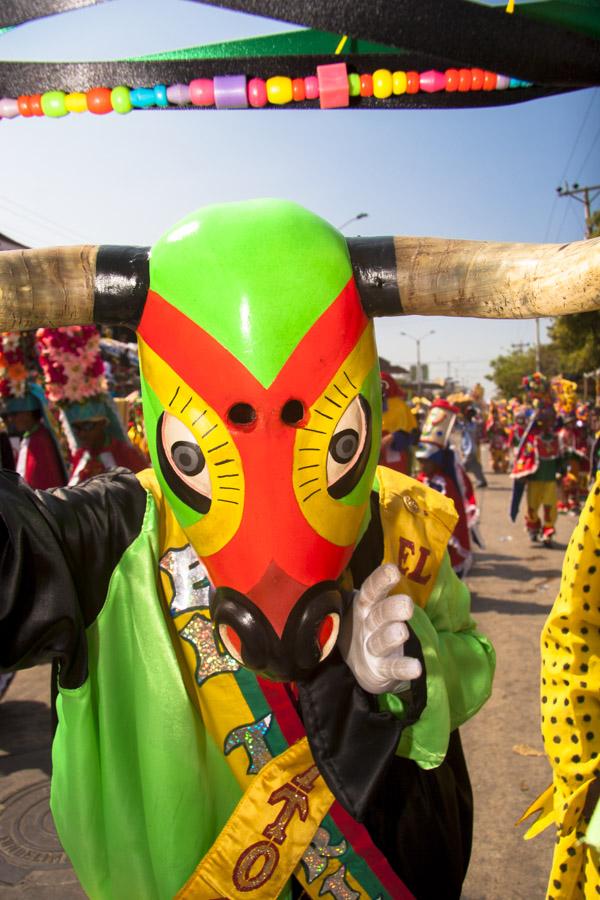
(72, 286)
(395, 276)
(438, 277)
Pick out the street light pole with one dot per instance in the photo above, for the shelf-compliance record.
(417, 341)
(360, 215)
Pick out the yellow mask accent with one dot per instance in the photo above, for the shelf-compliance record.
(335, 520)
(223, 477)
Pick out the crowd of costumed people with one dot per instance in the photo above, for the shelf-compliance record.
(547, 440)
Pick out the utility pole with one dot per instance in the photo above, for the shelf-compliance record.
(575, 191)
(522, 346)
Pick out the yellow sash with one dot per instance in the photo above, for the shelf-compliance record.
(257, 851)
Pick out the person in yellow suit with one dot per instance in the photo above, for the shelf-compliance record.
(570, 702)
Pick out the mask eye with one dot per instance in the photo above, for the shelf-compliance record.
(183, 463)
(349, 448)
(188, 458)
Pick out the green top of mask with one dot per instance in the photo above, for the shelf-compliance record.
(254, 275)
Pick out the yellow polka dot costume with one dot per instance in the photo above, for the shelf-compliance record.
(570, 704)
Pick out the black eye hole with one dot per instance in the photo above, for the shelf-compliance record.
(292, 412)
(188, 457)
(242, 414)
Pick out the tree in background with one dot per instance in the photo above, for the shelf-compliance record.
(508, 370)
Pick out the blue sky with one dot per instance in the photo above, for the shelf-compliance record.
(481, 174)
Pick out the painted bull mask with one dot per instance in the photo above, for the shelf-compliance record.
(261, 401)
(261, 384)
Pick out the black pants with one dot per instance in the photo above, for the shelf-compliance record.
(422, 821)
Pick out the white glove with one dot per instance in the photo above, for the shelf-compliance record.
(374, 633)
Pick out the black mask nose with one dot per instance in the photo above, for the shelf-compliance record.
(309, 635)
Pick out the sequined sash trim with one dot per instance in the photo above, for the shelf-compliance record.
(271, 827)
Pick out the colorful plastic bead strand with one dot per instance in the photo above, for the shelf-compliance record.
(332, 85)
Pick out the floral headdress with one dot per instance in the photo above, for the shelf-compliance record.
(71, 362)
(17, 372)
(537, 387)
(75, 377)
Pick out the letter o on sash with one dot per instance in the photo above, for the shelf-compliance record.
(243, 878)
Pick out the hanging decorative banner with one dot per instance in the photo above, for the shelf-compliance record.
(458, 55)
(460, 33)
(17, 12)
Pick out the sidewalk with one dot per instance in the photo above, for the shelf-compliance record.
(32, 862)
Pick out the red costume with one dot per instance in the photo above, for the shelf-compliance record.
(75, 380)
(538, 464)
(117, 453)
(24, 408)
(38, 461)
(573, 436)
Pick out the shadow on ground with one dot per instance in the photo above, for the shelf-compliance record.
(508, 607)
(24, 728)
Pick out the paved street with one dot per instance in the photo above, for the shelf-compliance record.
(513, 588)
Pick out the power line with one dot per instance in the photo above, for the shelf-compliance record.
(562, 224)
(461, 360)
(585, 118)
(593, 144)
(18, 209)
(566, 167)
(35, 219)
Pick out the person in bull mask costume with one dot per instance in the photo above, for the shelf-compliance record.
(262, 673)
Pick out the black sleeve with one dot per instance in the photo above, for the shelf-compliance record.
(57, 552)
